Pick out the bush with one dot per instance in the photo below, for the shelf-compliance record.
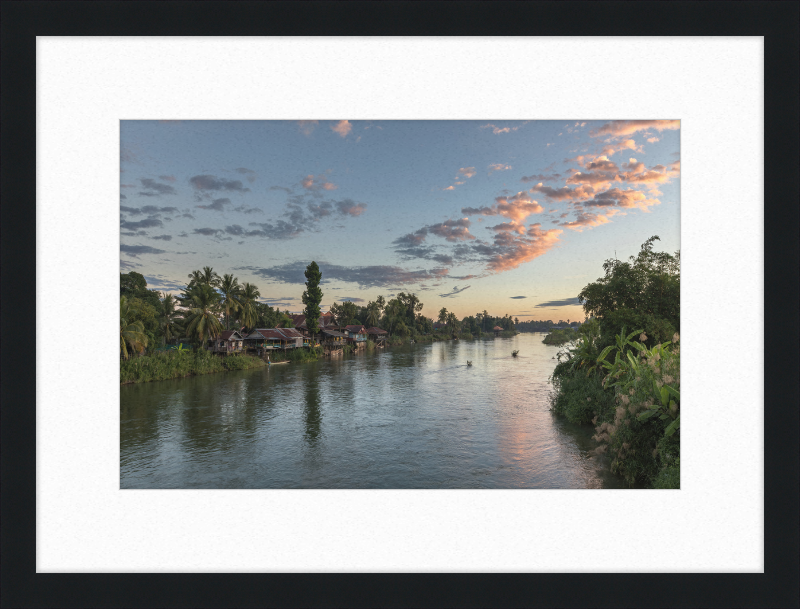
(174, 364)
(580, 398)
(560, 337)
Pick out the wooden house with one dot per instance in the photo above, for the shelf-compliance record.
(263, 340)
(497, 330)
(377, 335)
(332, 339)
(356, 335)
(229, 341)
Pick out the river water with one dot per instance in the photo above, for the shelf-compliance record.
(406, 417)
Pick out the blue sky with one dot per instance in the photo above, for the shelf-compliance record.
(508, 216)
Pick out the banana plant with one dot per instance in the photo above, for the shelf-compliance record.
(666, 408)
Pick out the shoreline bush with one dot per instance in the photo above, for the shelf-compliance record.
(165, 365)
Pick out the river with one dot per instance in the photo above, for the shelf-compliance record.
(408, 417)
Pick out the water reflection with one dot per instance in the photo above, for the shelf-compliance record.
(405, 417)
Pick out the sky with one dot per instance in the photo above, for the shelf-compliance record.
(511, 217)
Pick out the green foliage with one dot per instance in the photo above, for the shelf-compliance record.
(201, 319)
(643, 292)
(560, 337)
(343, 313)
(174, 364)
(231, 290)
(312, 297)
(579, 398)
(131, 331)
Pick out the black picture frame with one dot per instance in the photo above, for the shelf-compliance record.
(776, 21)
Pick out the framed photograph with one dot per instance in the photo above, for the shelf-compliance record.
(377, 144)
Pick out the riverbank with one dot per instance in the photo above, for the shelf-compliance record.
(174, 364)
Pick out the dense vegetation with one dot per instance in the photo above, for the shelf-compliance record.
(560, 336)
(176, 364)
(150, 322)
(621, 372)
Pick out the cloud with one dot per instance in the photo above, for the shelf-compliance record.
(455, 291)
(602, 164)
(565, 193)
(516, 208)
(351, 299)
(283, 188)
(540, 177)
(216, 205)
(653, 140)
(136, 250)
(452, 230)
(167, 178)
(317, 183)
(621, 198)
(343, 128)
(510, 250)
(450, 188)
(307, 127)
(147, 209)
(208, 232)
(348, 207)
(508, 226)
(156, 189)
(248, 210)
(149, 222)
(497, 130)
(249, 174)
(516, 297)
(364, 276)
(163, 237)
(124, 264)
(564, 302)
(499, 167)
(467, 172)
(206, 184)
(622, 128)
(590, 220)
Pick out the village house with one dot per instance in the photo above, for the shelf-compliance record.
(356, 335)
(377, 335)
(229, 341)
(497, 330)
(263, 340)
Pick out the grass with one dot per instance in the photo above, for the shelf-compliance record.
(172, 364)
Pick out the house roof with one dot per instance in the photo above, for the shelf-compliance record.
(376, 330)
(278, 333)
(229, 335)
(327, 332)
(497, 328)
(324, 321)
(354, 328)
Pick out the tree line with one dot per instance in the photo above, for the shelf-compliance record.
(210, 303)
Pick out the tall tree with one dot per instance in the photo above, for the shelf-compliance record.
(201, 319)
(249, 299)
(169, 318)
(312, 297)
(373, 314)
(230, 288)
(443, 316)
(452, 324)
(131, 333)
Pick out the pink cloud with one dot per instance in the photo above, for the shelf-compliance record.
(467, 172)
(516, 208)
(590, 220)
(653, 140)
(622, 128)
(453, 230)
(497, 130)
(307, 127)
(622, 198)
(498, 167)
(311, 182)
(343, 128)
(508, 226)
(512, 250)
(564, 194)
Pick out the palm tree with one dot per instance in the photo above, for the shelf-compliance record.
(230, 288)
(443, 316)
(373, 314)
(206, 276)
(169, 317)
(485, 316)
(130, 332)
(248, 299)
(201, 319)
(452, 323)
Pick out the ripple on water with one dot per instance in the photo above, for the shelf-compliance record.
(408, 417)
